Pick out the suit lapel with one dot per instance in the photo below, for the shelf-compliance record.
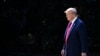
(73, 26)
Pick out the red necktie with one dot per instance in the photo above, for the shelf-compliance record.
(68, 31)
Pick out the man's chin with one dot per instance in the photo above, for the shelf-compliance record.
(68, 19)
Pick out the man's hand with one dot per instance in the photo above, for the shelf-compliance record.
(83, 54)
(62, 52)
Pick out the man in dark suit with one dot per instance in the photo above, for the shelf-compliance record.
(75, 37)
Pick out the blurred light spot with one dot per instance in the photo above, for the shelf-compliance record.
(43, 21)
(47, 43)
(4, 0)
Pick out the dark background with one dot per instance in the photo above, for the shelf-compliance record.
(36, 27)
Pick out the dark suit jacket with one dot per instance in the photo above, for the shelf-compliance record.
(77, 40)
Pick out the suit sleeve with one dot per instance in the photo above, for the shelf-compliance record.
(83, 37)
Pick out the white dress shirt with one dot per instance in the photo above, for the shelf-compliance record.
(73, 21)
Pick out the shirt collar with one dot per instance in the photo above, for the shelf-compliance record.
(74, 19)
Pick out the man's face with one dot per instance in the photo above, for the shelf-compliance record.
(69, 15)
